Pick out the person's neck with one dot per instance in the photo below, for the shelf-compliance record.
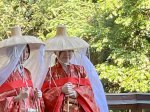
(65, 66)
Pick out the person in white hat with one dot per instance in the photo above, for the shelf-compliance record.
(18, 91)
(71, 84)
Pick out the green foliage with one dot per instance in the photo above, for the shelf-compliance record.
(117, 30)
(127, 35)
(40, 17)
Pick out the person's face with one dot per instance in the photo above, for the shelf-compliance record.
(65, 56)
(25, 54)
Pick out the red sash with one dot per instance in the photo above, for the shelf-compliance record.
(14, 85)
(62, 81)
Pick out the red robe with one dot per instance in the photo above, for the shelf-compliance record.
(12, 87)
(55, 100)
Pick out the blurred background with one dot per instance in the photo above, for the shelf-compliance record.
(118, 32)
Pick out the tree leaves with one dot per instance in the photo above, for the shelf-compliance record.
(118, 32)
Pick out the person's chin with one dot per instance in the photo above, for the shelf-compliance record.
(65, 61)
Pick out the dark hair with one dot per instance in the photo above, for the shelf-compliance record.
(28, 47)
(64, 51)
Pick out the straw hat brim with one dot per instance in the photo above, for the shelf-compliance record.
(19, 40)
(65, 43)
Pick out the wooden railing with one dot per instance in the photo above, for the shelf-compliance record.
(133, 102)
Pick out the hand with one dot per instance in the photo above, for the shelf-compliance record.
(67, 88)
(74, 94)
(38, 93)
(22, 95)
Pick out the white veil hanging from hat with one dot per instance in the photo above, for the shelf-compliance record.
(9, 58)
(80, 58)
(35, 64)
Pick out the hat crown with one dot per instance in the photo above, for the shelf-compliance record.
(61, 31)
(62, 41)
(16, 31)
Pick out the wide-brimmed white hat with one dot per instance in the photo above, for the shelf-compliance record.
(18, 39)
(63, 42)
